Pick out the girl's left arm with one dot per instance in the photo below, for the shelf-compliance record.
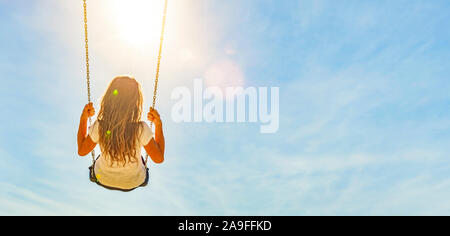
(85, 143)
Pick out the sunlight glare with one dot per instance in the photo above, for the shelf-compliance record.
(186, 55)
(138, 21)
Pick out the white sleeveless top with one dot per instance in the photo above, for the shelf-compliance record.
(130, 176)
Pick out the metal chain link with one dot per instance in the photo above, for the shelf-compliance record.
(88, 72)
(155, 91)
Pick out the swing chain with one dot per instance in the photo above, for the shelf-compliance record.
(155, 91)
(88, 76)
(88, 72)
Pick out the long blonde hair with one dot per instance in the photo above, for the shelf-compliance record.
(120, 119)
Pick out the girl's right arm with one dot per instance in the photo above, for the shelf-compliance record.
(156, 147)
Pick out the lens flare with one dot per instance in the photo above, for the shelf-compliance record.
(225, 74)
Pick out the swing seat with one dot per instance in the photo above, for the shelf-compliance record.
(93, 178)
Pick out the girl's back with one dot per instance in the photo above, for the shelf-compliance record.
(121, 135)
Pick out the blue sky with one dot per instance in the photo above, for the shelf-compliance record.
(364, 108)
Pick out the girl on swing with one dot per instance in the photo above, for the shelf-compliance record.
(121, 134)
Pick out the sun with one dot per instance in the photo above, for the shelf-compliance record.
(138, 21)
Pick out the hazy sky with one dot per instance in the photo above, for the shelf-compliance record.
(364, 106)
